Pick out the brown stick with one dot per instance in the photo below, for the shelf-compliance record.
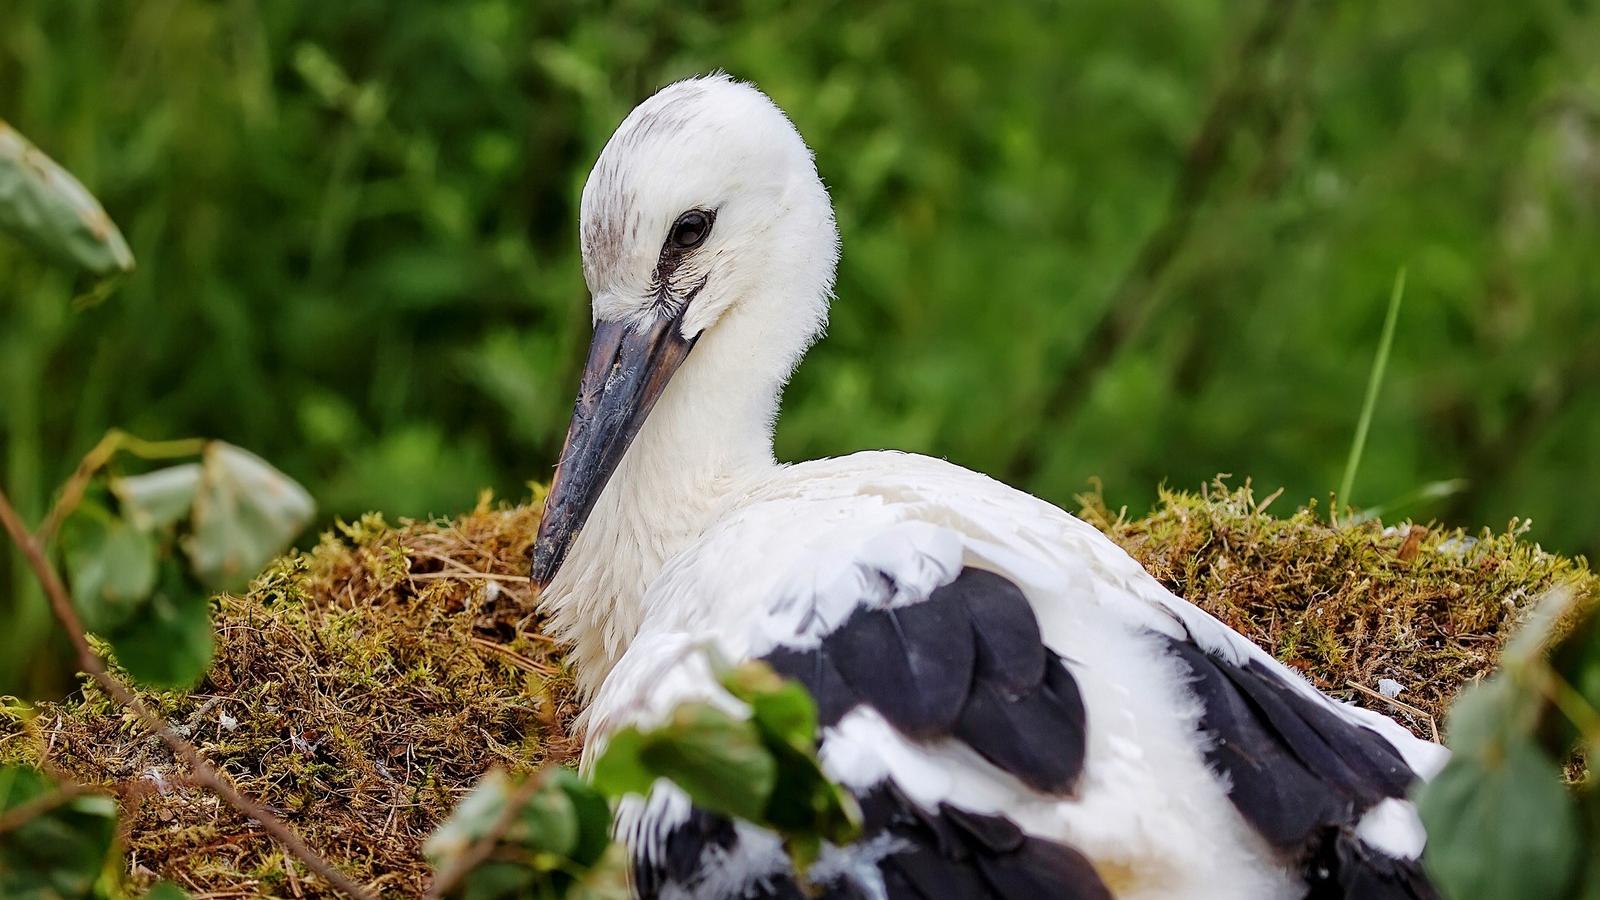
(115, 441)
(21, 814)
(204, 772)
(1134, 300)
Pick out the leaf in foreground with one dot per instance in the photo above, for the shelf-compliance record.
(762, 768)
(552, 847)
(158, 499)
(245, 513)
(804, 805)
(111, 565)
(170, 644)
(61, 853)
(45, 207)
(1501, 825)
(718, 759)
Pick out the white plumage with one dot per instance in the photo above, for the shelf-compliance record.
(688, 537)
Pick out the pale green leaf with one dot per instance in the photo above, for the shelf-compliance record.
(471, 818)
(160, 498)
(44, 206)
(1501, 825)
(246, 513)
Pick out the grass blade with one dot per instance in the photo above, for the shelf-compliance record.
(1374, 381)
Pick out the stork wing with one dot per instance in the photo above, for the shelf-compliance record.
(1016, 725)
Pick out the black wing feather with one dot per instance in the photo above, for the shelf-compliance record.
(1303, 776)
(912, 663)
(968, 662)
(1011, 651)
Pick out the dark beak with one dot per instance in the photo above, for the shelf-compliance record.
(628, 367)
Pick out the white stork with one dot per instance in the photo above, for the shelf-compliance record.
(1021, 709)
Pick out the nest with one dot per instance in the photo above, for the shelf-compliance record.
(361, 688)
(359, 691)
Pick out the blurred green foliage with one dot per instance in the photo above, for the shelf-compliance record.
(355, 226)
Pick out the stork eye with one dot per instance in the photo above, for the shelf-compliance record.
(691, 229)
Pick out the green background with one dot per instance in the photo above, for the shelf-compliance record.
(1144, 242)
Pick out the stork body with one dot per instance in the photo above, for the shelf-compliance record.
(1022, 710)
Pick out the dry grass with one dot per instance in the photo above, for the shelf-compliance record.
(362, 687)
(1348, 606)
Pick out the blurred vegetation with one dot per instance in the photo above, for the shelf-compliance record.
(1147, 244)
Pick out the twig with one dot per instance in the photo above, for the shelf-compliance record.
(517, 659)
(1136, 295)
(1398, 704)
(23, 813)
(204, 772)
(468, 576)
(115, 441)
(480, 850)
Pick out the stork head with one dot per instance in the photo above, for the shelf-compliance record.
(703, 223)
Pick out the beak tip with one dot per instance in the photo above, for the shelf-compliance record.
(543, 564)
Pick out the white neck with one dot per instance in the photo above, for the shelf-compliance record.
(708, 440)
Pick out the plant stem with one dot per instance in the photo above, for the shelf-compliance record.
(484, 846)
(23, 813)
(1374, 382)
(204, 772)
(115, 441)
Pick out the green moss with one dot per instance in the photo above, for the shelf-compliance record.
(1351, 605)
(374, 679)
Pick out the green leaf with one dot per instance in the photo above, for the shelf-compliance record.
(169, 645)
(166, 890)
(763, 769)
(546, 823)
(781, 708)
(719, 760)
(804, 805)
(593, 816)
(158, 499)
(45, 207)
(246, 513)
(561, 831)
(607, 879)
(1501, 825)
(60, 853)
(472, 818)
(620, 769)
(110, 564)
(1485, 713)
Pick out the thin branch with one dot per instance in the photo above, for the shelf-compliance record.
(72, 491)
(516, 659)
(1134, 300)
(1399, 704)
(23, 813)
(204, 772)
(484, 846)
(115, 441)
